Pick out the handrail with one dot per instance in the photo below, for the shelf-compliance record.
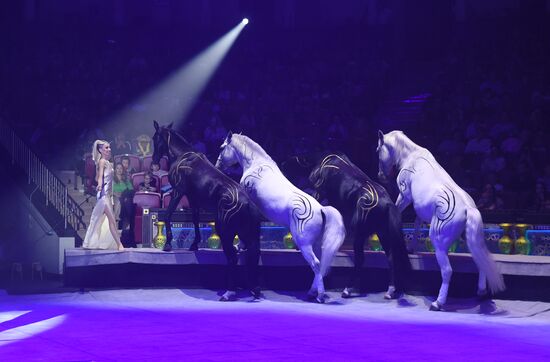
(55, 191)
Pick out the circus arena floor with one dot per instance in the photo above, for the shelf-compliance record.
(191, 325)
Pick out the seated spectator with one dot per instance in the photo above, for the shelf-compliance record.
(489, 199)
(542, 198)
(511, 145)
(196, 142)
(214, 134)
(545, 178)
(155, 170)
(493, 161)
(121, 145)
(451, 146)
(148, 183)
(143, 145)
(129, 171)
(480, 144)
(121, 184)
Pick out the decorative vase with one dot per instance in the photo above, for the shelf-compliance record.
(505, 243)
(214, 238)
(429, 245)
(522, 245)
(374, 242)
(454, 246)
(288, 241)
(160, 239)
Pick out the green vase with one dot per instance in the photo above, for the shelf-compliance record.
(454, 246)
(374, 242)
(160, 239)
(214, 238)
(522, 245)
(505, 243)
(429, 245)
(288, 241)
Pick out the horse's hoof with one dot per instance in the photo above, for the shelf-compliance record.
(228, 296)
(483, 295)
(167, 247)
(392, 295)
(346, 293)
(435, 306)
(320, 299)
(194, 247)
(256, 293)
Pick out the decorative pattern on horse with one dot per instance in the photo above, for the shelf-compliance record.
(325, 164)
(444, 209)
(302, 211)
(367, 201)
(182, 167)
(248, 181)
(229, 204)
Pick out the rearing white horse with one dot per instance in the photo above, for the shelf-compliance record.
(437, 199)
(283, 203)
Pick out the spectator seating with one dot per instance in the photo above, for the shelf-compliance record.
(138, 177)
(167, 197)
(143, 200)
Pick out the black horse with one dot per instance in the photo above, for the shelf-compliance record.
(193, 175)
(366, 208)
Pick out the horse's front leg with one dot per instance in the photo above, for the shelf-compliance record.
(226, 237)
(168, 219)
(414, 243)
(354, 283)
(195, 245)
(402, 202)
(441, 244)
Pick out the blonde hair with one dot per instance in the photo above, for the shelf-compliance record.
(96, 155)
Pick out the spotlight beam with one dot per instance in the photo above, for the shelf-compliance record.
(174, 98)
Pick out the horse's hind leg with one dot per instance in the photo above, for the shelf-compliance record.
(317, 288)
(358, 261)
(441, 244)
(195, 245)
(249, 233)
(231, 256)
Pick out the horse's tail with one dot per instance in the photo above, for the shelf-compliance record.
(334, 234)
(479, 251)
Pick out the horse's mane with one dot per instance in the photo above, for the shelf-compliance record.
(244, 140)
(346, 164)
(179, 137)
(400, 144)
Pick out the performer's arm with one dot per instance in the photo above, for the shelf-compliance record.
(100, 175)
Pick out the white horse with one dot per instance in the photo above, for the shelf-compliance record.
(283, 203)
(437, 199)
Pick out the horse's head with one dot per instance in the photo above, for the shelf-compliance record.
(387, 154)
(228, 155)
(161, 141)
(386, 159)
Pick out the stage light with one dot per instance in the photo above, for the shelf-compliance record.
(174, 97)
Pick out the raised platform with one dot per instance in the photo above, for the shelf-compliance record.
(461, 262)
(526, 277)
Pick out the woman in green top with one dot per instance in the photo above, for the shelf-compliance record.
(120, 185)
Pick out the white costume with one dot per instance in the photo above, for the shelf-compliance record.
(98, 235)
